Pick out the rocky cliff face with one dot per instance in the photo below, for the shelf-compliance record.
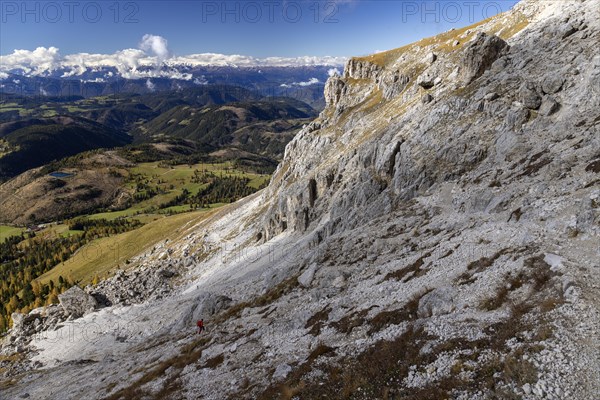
(433, 234)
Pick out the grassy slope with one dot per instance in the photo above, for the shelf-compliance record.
(6, 231)
(102, 256)
(443, 42)
(57, 230)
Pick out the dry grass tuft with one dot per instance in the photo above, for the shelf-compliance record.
(321, 350)
(350, 321)
(316, 322)
(214, 362)
(518, 370)
(540, 272)
(409, 272)
(290, 392)
(495, 302)
(479, 265)
(407, 313)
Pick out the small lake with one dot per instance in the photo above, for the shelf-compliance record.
(59, 174)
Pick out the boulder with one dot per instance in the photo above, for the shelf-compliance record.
(167, 272)
(77, 302)
(18, 321)
(281, 372)
(26, 324)
(430, 58)
(529, 96)
(307, 276)
(479, 55)
(426, 99)
(209, 304)
(516, 117)
(552, 84)
(549, 106)
(339, 282)
(426, 80)
(567, 30)
(439, 301)
(101, 299)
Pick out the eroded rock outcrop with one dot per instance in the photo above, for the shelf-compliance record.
(362, 69)
(479, 55)
(394, 83)
(334, 90)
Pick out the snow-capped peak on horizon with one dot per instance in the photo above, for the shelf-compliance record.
(151, 60)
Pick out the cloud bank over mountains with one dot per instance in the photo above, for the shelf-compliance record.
(152, 59)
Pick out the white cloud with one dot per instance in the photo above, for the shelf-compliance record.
(152, 60)
(34, 62)
(333, 72)
(96, 80)
(158, 45)
(311, 81)
(171, 74)
(151, 86)
(201, 80)
(236, 60)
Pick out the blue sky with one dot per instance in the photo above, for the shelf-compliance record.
(256, 28)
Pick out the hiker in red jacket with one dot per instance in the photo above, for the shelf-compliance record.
(200, 325)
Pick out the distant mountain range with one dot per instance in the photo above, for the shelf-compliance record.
(34, 142)
(304, 83)
(260, 127)
(210, 118)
